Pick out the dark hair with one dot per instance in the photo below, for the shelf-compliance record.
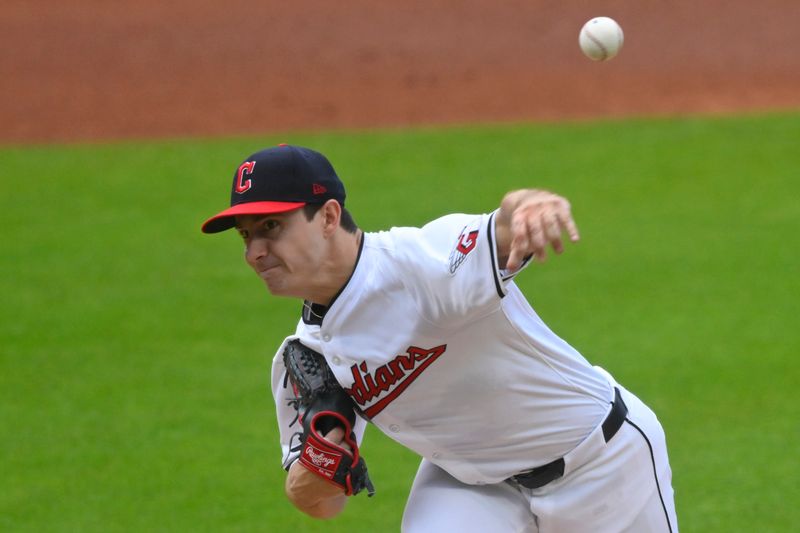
(346, 222)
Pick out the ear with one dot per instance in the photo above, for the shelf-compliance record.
(331, 213)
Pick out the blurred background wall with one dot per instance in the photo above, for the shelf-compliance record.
(95, 69)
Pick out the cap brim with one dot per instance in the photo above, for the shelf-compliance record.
(226, 219)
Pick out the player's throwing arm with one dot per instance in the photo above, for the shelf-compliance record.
(528, 221)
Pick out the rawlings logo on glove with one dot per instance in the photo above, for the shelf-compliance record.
(323, 460)
(322, 405)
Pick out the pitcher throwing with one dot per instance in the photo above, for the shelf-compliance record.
(433, 343)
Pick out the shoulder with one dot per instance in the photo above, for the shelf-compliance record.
(435, 251)
(436, 237)
(445, 266)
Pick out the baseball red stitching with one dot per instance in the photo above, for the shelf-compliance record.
(599, 45)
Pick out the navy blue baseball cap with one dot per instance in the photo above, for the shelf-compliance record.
(277, 180)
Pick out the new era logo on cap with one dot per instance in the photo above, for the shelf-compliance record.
(276, 180)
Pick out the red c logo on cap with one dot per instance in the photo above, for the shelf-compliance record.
(242, 187)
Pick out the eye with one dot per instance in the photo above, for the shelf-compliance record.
(270, 224)
(243, 233)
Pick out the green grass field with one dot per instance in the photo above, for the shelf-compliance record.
(135, 351)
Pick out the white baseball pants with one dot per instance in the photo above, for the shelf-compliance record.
(624, 485)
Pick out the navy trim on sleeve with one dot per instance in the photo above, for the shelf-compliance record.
(525, 262)
(495, 273)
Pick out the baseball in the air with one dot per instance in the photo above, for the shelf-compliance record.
(601, 38)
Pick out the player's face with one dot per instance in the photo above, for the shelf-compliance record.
(284, 249)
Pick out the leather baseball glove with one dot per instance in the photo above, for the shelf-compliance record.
(322, 404)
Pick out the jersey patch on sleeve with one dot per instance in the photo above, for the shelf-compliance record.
(464, 245)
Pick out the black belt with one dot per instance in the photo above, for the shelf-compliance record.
(542, 475)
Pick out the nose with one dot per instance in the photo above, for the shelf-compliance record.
(256, 251)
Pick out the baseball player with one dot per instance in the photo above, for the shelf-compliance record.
(426, 331)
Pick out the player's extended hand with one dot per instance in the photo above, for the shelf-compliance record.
(530, 220)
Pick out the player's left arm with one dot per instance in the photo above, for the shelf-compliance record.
(527, 222)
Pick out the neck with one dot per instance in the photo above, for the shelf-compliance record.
(337, 269)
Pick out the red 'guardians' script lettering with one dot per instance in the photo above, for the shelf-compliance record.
(393, 377)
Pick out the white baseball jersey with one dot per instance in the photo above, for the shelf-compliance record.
(443, 353)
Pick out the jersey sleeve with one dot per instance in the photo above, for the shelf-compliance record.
(289, 428)
(451, 267)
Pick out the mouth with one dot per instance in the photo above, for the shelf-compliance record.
(266, 272)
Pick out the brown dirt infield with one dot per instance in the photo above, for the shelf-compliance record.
(94, 69)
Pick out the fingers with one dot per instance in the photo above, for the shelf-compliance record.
(336, 436)
(568, 225)
(519, 244)
(515, 257)
(552, 231)
(537, 225)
